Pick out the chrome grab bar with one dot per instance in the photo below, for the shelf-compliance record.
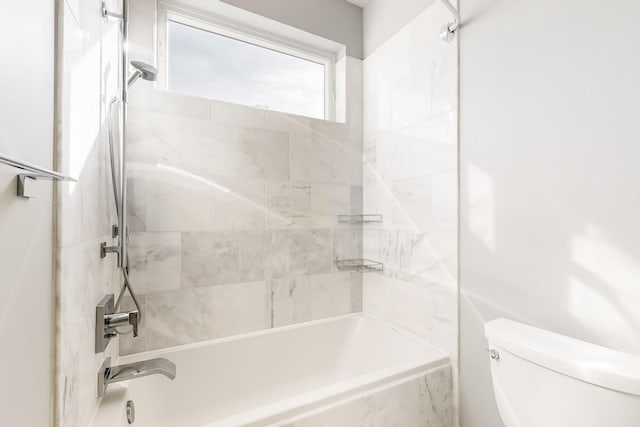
(34, 173)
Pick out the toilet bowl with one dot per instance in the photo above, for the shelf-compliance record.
(543, 379)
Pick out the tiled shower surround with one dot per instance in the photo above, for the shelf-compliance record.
(85, 209)
(410, 176)
(234, 216)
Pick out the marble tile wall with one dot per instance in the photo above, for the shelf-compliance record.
(425, 400)
(84, 209)
(234, 215)
(410, 176)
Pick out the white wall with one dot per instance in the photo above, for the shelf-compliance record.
(549, 173)
(26, 283)
(383, 18)
(335, 20)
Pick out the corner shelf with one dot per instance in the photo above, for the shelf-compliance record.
(360, 219)
(362, 265)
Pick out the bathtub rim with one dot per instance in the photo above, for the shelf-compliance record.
(295, 406)
(314, 401)
(136, 357)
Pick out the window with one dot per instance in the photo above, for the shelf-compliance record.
(209, 61)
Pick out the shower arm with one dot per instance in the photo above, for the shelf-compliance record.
(447, 33)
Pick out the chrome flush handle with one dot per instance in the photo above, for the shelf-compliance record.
(493, 354)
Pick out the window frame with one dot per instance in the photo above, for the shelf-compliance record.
(216, 24)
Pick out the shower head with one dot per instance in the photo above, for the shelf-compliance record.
(144, 70)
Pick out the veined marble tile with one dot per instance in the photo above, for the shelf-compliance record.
(433, 145)
(146, 97)
(291, 300)
(377, 196)
(378, 292)
(178, 317)
(410, 101)
(413, 308)
(215, 149)
(393, 155)
(330, 294)
(282, 122)
(433, 257)
(309, 252)
(303, 298)
(238, 203)
(235, 114)
(210, 258)
(153, 138)
(413, 204)
(422, 400)
(356, 200)
(328, 201)
(69, 201)
(288, 204)
(278, 260)
(346, 244)
(357, 292)
(136, 202)
(177, 202)
(240, 307)
(80, 266)
(212, 148)
(255, 249)
(95, 184)
(263, 255)
(155, 261)
(317, 158)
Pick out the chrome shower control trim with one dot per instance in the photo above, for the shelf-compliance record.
(107, 321)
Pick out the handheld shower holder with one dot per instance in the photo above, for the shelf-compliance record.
(107, 320)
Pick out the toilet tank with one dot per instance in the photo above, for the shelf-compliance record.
(543, 379)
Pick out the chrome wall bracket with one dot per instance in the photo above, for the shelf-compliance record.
(106, 13)
(103, 375)
(35, 173)
(448, 32)
(361, 265)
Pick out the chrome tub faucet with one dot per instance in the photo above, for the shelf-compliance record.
(112, 374)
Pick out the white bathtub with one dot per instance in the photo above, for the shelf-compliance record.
(278, 376)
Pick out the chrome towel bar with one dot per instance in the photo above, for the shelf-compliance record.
(35, 173)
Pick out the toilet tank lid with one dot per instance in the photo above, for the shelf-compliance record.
(569, 356)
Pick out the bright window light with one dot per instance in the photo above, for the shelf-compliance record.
(206, 64)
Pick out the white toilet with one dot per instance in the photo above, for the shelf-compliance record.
(543, 379)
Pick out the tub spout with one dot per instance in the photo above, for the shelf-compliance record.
(112, 374)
